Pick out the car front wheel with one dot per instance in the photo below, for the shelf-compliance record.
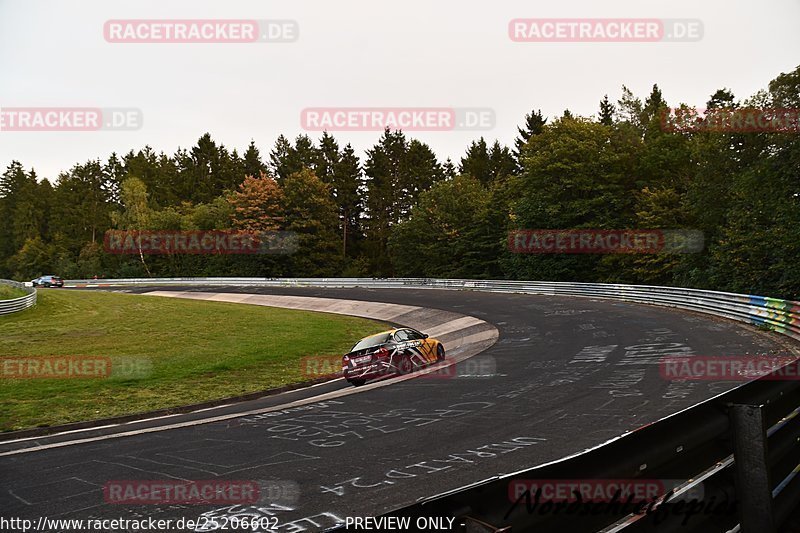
(439, 353)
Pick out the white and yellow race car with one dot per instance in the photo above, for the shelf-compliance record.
(393, 352)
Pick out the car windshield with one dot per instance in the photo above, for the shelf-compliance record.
(369, 342)
(414, 334)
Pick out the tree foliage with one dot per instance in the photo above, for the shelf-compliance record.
(401, 211)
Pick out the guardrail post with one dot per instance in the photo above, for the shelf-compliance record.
(753, 487)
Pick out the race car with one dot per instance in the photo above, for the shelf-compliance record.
(48, 281)
(393, 352)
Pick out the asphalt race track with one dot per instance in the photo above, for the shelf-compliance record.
(565, 375)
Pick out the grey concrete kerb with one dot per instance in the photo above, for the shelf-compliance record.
(463, 336)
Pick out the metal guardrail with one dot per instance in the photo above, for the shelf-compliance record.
(740, 447)
(730, 462)
(17, 304)
(779, 315)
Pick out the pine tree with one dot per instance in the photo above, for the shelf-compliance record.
(501, 162)
(312, 215)
(420, 170)
(82, 204)
(12, 182)
(653, 112)
(231, 172)
(534, 125)
(449, 169)
(23, 207)
(253, 165)
(487, 164)
(327, 158)
(304, 155)
(144, 166)
(383, 171)
(115, 173)
(279, 158)
(203, 178)
(607, 111)
(722, 98)
(476, 162)
(286, 159)
(347, 183)
(630, 109)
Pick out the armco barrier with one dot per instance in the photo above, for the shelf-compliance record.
(730, 464)
(17, 304)
(782, 316)
(740, 448)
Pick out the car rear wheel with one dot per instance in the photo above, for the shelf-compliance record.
(357, 382)
(405, 366)
(439, 353)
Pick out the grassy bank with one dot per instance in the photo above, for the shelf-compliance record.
(7, 292)
(181, 352)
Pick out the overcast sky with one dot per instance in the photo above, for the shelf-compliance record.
(357, 53)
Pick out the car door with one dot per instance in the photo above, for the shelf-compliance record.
(401, 341)
(426, 346)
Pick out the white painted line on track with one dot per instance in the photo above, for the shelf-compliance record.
(143, 420)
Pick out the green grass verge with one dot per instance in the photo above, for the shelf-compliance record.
(196, 351)
(7, 292)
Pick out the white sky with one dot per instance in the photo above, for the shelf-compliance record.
(356, 53)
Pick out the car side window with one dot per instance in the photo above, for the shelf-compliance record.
(401, 335)
(415, 335)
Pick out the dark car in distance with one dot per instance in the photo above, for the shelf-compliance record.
(48, 281)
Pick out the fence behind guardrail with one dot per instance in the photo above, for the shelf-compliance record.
(779, 315)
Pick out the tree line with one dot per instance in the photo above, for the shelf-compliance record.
(401, 211)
